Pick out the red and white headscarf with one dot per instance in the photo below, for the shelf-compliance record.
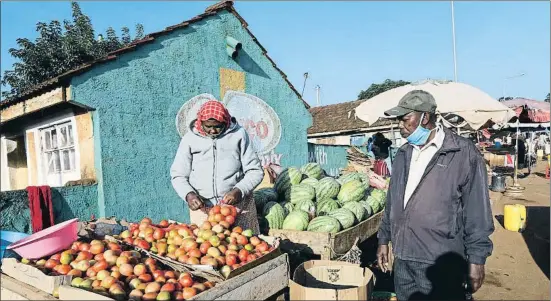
(212, 109)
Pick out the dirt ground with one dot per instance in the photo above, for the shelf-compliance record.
(519, 266)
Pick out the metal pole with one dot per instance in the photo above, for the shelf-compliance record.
(515, 178)
(454, 54)
(304, 85)
(318, 95)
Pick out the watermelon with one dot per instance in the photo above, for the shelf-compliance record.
(374, 204)
(288, 177)
(352, 191)
(349, 177)
(345, 217)
(299, 192)
(325, 206)
(310, 181)
(367, 207)
(358, 210)
(296, 220)
(288, 207)
(263, 196)
(324, 224)
(305, 205)
(274, 214)
(312, 170)
(327, 188)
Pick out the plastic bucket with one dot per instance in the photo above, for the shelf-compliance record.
(47, 241)
(7, 238)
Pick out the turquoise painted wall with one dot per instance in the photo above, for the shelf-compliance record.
(68, 202)
(137, 97)
(332, 158)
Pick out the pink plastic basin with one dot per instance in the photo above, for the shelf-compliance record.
(47, 241)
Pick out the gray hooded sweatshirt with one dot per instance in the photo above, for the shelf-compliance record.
(212, 167)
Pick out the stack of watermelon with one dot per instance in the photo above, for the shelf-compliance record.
(306, 199)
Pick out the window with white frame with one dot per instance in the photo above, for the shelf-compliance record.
(58, 148)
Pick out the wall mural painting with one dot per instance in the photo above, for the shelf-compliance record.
(252, 113)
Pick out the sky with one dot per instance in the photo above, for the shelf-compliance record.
(347, 46)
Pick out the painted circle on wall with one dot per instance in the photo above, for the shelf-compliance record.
(257, 117)
(188, 112)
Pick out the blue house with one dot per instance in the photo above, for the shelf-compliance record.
(103, 136)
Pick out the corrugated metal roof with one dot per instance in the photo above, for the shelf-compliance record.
(340, 117)
(210, 11)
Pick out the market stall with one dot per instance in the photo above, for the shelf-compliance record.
(146, 261)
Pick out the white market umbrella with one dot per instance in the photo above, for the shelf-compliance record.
(468, 102)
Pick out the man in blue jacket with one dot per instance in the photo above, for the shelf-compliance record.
(438, 215)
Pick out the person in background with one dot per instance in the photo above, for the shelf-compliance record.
(216, 164)
(438, 214)
(381, 150)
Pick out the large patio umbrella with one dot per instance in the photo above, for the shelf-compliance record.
(468, 102)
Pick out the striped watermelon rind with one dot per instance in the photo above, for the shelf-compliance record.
(312, 170)
(344, 216)
(305, 205)
(367, 207)
(325, 206)
(327, 188)
(274, 214)
(310, 181)
(288, 177)
(349, 177)
(358, 210)
(297, 220)
(352, 191)
(263, 196)
(300, 192)
(324, 224)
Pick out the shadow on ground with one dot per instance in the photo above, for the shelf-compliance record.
(536, 235)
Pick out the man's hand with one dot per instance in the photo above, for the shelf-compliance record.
(233, 197)
(193, 201)
(382, 257)
(476, 276)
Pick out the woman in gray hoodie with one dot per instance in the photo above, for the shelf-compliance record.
(216, 164)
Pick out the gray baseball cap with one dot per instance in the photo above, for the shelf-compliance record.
(416, 100)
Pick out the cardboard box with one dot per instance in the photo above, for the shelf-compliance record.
(33, 276)
(331, 280)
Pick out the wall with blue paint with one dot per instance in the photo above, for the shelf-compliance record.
(332, 158)
(138, 95)
(68, 203)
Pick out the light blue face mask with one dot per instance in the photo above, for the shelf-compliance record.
(420, 135)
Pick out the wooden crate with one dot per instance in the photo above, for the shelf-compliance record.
(328, 245)
(249, 285)
(33, 276)
(13, 289)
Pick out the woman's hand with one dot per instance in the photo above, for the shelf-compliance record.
(233, 197)
(193, 201)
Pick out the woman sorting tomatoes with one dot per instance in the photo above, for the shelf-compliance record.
(216, 164)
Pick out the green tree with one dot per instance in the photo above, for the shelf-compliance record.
(58, 49)
(376, 89)
(547, 98)
(139, 32)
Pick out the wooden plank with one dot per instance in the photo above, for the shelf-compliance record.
(328, 246)
(72, 293)
(13, 289)
(303, 241)
(33, 276)
(258, 283)
(342, 242)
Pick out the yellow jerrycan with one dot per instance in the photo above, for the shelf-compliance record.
(514, 217)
